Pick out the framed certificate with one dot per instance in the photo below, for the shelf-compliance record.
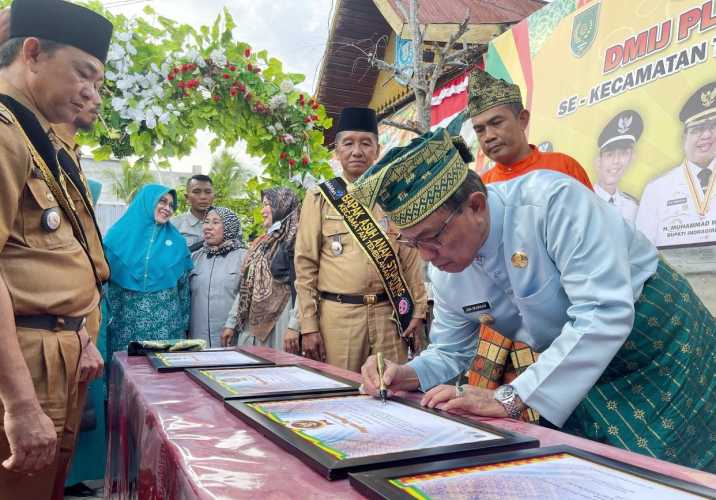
(556, 472)
(272, 381)
(212, 358)
(336, 433)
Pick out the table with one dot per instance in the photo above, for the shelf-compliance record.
(169, 438)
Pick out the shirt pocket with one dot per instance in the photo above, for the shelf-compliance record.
(37, 201)
(543, 312)
(335, 232)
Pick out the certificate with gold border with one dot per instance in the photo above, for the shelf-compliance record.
(337, 434)
(552, 473)
(182, 360)
(269, 381)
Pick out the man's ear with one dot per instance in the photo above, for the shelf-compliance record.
(477, 202)
(31, 52)
(524, 119)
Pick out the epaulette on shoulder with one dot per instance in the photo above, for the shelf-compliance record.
(6, 115)
(630, 197)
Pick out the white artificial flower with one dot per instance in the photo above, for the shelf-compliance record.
(271, 129)
(124, 36)
(288, 139)
(151, 122)
(131, 50)
(218, 56)
(164, 118)
(309, 181)
(124, 84)
(116, 52)
(286, 86)
(277, 101)
(279, 127)
(110, 76)
(118, 103)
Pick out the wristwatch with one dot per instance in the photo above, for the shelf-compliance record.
(510, 400)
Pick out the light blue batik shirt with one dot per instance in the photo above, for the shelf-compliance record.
(573, 302)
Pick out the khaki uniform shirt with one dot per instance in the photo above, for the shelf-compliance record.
(351, 272)
(46, 272)
(94, 239)
(190, 227)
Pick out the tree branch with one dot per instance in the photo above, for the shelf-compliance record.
(410, 126)
(445, 53)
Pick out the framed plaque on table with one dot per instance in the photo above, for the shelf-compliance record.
(269, 381)
(336, 433)
(210, 358)
(555, 472)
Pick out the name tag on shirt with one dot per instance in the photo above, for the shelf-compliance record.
(481, 306)
(677, 201)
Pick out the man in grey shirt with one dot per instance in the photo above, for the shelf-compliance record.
(199, 196)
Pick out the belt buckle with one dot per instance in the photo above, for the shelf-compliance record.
(370, 300)
(339, 298)
(59, 324)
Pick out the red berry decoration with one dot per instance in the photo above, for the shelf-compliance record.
(226, 76)
(283, 155)
(250, 67)
(170, 77)
(305, 161)
(216, 98)
(232, 68)
(292, 162)
(233, 91)
(247, 52)
(181, 84)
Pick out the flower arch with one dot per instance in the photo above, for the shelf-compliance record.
(165, 81)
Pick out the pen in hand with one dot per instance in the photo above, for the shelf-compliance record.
(382, 392)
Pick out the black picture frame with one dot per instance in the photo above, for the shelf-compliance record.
(162, 367)
(375, 484)
(332, 468)
(223, 394)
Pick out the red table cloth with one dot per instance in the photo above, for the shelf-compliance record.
(170, 439)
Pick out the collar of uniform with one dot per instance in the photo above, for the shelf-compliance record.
(497, 212)
(523, 164)
(348, 183)
(603, 193)
(192, 219)
(9, 89)
(64, 134)
(695, 169)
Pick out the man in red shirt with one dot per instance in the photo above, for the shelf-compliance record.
(500, 122)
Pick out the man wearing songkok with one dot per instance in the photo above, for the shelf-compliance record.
(677, 208)
(500, 122)
(626, 347)
(359, 291)
(50, 69)
(616, 154)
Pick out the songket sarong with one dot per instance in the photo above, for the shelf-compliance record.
(657, 395)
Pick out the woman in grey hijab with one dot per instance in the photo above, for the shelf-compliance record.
(216, 276)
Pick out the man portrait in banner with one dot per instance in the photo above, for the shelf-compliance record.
(677, 208)
(616, 153)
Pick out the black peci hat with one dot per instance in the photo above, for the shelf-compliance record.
(358, 120)
(700, 106)
(622, 131)
(61, 22)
